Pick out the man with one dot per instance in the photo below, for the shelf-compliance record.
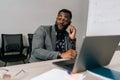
(54, 42)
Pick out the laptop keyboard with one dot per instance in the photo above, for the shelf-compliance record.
(67, 64)
(70, 66)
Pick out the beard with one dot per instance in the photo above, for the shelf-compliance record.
(62, 30)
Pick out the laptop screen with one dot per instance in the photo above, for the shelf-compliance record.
(96, 51)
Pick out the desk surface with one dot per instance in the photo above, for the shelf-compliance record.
(37, 68)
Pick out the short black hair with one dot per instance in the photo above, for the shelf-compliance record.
(66, 11)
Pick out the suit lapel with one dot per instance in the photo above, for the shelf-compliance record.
(53, 37)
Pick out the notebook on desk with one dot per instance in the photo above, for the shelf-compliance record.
(95, 51)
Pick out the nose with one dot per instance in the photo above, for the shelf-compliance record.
(62, 20)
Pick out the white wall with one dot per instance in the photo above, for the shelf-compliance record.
(104, 17)
(24, 16)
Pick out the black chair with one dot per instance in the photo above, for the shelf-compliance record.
(12, 48)
(30, 37)
(0, 53)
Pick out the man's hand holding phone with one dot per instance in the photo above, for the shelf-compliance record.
(72, 32)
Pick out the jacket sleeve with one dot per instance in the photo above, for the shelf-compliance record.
(39, 50)
(73, 44)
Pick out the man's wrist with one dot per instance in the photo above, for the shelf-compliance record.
(74, 39)
(59, 56)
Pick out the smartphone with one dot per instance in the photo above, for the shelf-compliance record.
(70, 29)
(69, 23)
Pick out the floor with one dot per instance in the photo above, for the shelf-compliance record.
(12, 63)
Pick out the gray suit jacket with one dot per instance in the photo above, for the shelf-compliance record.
(44, 44)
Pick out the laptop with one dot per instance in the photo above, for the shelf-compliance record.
(96, 51)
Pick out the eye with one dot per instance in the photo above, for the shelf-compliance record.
(66, 19)
(62, 18)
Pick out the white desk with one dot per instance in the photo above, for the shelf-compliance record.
(37, 68)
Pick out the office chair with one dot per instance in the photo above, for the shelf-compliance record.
(30, 37)
(0, 53)
(12, 48)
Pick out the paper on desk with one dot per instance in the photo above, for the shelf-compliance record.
(57, 74)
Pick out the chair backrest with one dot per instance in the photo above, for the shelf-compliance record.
(0, 53)
(12, 43)
(30, 37)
